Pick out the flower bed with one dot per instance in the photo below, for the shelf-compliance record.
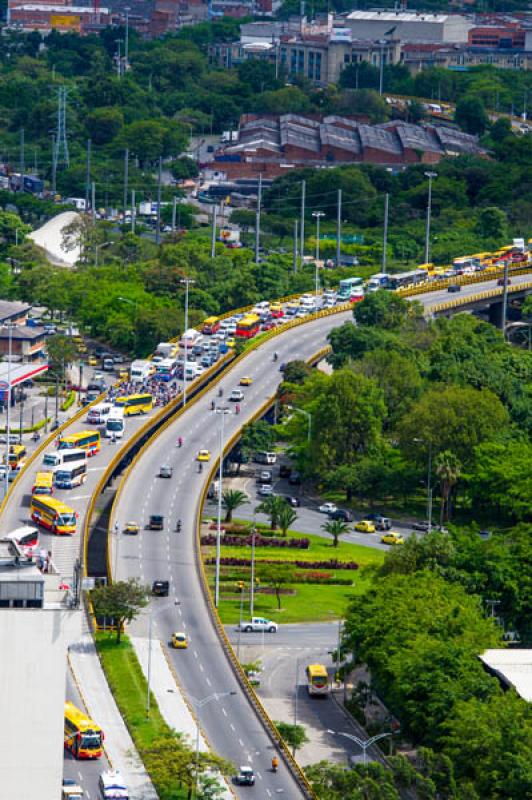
(260, 541)
(332, 564)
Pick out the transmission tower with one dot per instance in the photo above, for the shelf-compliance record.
(61, 142)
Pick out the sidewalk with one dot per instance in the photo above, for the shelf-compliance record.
(101, 705)
(167, 693)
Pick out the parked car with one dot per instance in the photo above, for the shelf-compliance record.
(265, 476)
(285, 471)
(294, 479)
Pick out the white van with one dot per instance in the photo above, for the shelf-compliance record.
(112, 786)
(115, 424)
(59, 457)
(140, 371)
(261, 308)
(99, 413)
(264, 457)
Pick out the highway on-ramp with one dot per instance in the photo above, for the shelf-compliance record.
(230, 726)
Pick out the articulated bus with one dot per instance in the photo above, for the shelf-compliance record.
(84, 440)
(248, 326)
(210, 326)
(135, 404)
(44, 483)
(82, 736)
(53, 514)
(317, 679)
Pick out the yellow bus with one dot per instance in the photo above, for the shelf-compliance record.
(53, 514)
(135, 404)
(84, 440)
(44, 483)
(317, 679)
(16, 453)
(83, 737)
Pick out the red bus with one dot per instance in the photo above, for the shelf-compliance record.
(248, 326)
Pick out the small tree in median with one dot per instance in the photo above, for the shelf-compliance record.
(123, 601)
(233, 499)
(286, 517)
(336, 528)
(278, 576)
(272, 507)
(294, 735)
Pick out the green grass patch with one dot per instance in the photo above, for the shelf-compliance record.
(129, 688)
(311, 602)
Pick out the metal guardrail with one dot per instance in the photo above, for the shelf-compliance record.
(461, 280)
(475, 298)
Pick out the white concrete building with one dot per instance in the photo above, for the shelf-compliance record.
(36, 626)
(408, 26)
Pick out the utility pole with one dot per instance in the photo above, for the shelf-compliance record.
(61, 142)
(338, 226)
(186, 282)
(430, 176)
(158, 224)
(385, 235)
(133, 211)
(295, 245)
(54, 165)
(504, 300)
(22, 164)
(302, 225)
(213, 235)
(93, 202)
(174, 206)
(257, 220)
(88, 176)
(126, 178)
(126, 43)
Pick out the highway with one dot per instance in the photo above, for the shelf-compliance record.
(203, 669)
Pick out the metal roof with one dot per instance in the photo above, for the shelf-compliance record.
(19, 373)
(399, 16)
(8, 309)
(513, 667)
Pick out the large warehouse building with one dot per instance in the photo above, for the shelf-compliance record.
(408, 26)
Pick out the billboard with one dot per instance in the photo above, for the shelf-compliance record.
(70, 22)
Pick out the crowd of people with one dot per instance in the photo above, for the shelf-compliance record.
(161, 391)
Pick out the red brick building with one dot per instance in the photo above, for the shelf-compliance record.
(271, 145)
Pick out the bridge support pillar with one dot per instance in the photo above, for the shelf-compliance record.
(495, 314)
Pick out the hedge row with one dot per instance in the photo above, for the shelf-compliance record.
(233, 561)
(260, 541)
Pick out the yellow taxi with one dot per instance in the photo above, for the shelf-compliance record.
(230, 342)
(365, 526)
(92, 361)
(204, 455)
(123, 374)
(81, 347)
(246, 381)
(392, 538)
(132, 528)
(179, 641)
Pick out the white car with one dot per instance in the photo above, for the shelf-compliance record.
(265, 490)
(112, 786)
(236, 396)
(327, 508)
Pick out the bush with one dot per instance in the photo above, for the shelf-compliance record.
(70, 400)
(332, 564)
(260, 541)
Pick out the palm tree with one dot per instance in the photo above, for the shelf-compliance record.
(336, 528)
(233, 499)
(272, 506)
(286, 517)
(448, 470)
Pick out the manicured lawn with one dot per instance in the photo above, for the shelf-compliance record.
(311, 602)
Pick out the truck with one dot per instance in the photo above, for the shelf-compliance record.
(140, 371)
(166, 349)
(377, 281)
(258, 624)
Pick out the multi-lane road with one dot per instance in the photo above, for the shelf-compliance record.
(231, 726)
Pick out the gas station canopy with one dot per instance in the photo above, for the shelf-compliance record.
(18, 373)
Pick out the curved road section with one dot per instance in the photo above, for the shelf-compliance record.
(203, 669)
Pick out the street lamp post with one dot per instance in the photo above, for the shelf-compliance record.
(317, 215)
(186, 282)
(308, 415)
(150, 628)
(252, 583)
(222, 411)
(97, 249)
(10, 327)
(430, 176)
(198, 705)
(127, 9)
(429, 482)
(364, 745)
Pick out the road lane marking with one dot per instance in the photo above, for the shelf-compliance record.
(241, 743)
(209, 683)
(96, 469)
(231, 726)
(224, 712)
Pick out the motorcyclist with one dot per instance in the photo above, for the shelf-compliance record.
(275, 764)
(237, 409)
(220, 392)
(180, 442)
(178, 526)
(275, 356)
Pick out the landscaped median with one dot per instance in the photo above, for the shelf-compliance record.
(309, 578)
(169, 759)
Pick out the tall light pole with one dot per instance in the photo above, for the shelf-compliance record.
(186, 282)
(381, 43)
(222, 411)
(252, 582)
(127, 9)
(317, 215)
(430, 176)
(198, 705)
(429, 482)
(364, 745)
(10, 327)
(385, 233)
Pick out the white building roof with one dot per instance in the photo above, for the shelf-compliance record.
(399, 16)
(514, 667)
